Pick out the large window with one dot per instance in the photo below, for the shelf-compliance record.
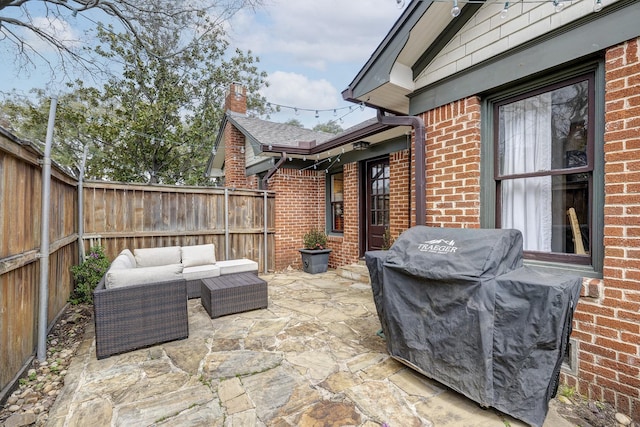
(544, 169)
(336, 192)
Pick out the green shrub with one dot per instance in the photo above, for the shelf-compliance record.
(87, 274)
(315, 239)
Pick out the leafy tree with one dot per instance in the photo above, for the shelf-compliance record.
(330, 127)
(157, 121)
(26, 24)
(294, 122)
(73, 129)
(163, 113)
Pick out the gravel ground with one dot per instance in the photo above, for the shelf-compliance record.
(29, 403)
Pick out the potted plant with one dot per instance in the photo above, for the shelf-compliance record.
(315, 255)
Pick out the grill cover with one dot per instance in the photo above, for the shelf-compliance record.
(458, 306)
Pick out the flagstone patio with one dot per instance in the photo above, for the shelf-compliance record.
(312, 358)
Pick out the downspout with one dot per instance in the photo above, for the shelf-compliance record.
(418, 127)
(273, 170)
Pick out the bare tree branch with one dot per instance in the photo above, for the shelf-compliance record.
(18, 20)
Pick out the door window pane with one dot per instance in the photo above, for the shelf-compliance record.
(337, 202)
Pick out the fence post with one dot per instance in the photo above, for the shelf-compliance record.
(266, 234)
(44, 238)
(226, 223)
(81, 204)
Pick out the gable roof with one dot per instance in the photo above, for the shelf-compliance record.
(272, 133)
(261, 134)
(423, 29)
(429, 58)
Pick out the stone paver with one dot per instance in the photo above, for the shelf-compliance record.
(312, 358)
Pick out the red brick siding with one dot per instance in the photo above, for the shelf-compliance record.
(401, 193)
(236, 99)
(346, 248)
(234, 160)
(607, 323)
(300, 205)
(453, 164)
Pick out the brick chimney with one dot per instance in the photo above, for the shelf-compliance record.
(236, 100)
(235, 142)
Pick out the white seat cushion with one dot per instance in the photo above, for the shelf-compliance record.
(200, 272)
(237, 266)
(152, 257)
(198, 255)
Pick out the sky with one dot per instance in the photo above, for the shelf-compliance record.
(310, 49)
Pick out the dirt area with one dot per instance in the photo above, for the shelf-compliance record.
(585, 413)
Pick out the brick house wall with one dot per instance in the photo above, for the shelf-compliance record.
(299, 206)
(607, 319)
(346, 248)
(234, 160)
(453, 164)
(401, 190)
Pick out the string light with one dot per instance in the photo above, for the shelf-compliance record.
(400, 3)
(505, 10)
(455, 10)
(559, 5)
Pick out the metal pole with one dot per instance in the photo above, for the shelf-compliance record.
(266, 233)
(226, 223)
(81, 203)
(44, 239)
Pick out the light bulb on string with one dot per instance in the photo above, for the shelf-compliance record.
(455, 10)
(558, 5)
(505, 11)
(317, 114)
(400, 3)
(597, 6)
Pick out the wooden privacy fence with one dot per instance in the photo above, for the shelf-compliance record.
(241, 223)
(20, 227)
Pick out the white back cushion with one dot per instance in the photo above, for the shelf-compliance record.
(121, 262)
(129, 255)
(152, 257)
(193, 256)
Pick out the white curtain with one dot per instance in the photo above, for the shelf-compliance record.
(526, 147)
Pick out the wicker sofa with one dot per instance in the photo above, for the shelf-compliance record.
(142, 299)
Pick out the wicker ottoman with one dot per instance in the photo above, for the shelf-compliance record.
(233, 293)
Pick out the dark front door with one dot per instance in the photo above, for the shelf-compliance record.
(377, 202)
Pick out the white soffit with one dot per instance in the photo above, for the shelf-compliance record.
(425, 32)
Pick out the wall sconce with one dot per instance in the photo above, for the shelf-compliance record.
(360, 145)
